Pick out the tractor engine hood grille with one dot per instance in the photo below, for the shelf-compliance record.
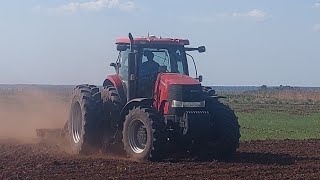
(186, 93)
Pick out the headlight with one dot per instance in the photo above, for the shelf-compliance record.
(187, 104)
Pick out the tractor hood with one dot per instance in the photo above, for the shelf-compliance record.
(167, 79)
(177, 88)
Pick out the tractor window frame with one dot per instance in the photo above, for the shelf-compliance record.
(123, 66)
(171, 50)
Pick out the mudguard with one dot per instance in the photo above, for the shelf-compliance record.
(143, 102)
(114, 80)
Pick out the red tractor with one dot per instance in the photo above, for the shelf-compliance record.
(151, 102)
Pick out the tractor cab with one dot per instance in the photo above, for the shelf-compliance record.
(152, 55)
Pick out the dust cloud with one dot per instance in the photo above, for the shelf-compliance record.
(21, 114)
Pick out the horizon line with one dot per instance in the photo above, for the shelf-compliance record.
(40, 84)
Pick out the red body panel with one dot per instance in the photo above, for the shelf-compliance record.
(153, 40)
(115, 79)
(163, 82)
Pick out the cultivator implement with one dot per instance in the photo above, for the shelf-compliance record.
(51, 133)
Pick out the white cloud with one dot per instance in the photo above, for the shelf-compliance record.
(96, 5)
(127, 6)
(316, 4)
(316, 27)
(254, 14)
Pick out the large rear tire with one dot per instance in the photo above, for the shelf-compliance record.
(227, 129)
(112, 140)
(142, 134)
(85, 119)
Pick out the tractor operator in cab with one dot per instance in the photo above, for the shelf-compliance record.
(148, 71)
(150, 67)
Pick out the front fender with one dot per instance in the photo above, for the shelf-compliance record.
(142, 102)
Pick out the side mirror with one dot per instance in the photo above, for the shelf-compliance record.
(200, 78)
(115, 65)
(122, 47)
(201, 49)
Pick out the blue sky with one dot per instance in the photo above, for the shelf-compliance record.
(248, 42)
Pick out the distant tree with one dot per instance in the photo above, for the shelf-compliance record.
(264, 87)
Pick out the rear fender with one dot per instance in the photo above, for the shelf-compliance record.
(211, 93)
(114, 80)
(215, 97)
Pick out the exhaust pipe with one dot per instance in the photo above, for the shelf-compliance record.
(132, 71)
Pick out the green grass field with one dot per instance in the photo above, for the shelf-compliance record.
(266, 124)
(277, 114)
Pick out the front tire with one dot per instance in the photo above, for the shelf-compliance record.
(142, 134)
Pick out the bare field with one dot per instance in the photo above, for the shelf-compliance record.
(284, 159)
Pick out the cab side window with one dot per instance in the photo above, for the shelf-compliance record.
(123, 69)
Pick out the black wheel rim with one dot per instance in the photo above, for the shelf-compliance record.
(137, 136)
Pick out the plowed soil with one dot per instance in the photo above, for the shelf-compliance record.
(255, 160)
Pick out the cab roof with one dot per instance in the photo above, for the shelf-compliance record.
(153, 40)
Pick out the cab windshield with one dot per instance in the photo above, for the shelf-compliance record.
(170, 59)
